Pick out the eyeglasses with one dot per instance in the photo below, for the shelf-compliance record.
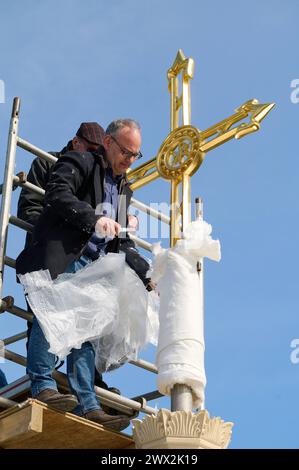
(126, 153)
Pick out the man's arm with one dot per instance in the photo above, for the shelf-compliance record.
(133, 222)
(69, 174)
(30, 205)
(135, 260)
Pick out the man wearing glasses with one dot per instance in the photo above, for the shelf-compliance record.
(89, 137)
(86, 205)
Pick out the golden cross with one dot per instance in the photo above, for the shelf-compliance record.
(184, 149)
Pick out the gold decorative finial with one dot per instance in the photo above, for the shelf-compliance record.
(185, 67)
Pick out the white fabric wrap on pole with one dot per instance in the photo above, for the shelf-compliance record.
(180, 352)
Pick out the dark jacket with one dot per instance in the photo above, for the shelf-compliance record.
(68, 219)
(30, 204)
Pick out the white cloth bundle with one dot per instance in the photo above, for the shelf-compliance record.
(180, 353)
(105, 303)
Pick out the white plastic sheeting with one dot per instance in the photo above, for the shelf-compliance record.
(180, 353)
(105, 303)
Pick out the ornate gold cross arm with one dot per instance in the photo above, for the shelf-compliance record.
(184, 149)
(143, 174)
(224, 130)
(210, 138)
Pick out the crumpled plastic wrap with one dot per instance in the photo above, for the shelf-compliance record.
(105, 303)
(180, 352)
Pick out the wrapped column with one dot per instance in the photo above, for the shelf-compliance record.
(180, 352)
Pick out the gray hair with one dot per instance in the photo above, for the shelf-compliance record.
(119, 124)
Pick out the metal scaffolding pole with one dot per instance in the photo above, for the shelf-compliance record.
(21, 180)
(8, 183)
(15, 338)
(148, 210)
(20, 223)
(10, 262)
(142, 243)
(35, 150)
(145, 365)
(6, 403)
(17, 311)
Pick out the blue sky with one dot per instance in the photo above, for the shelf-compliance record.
(96, 61)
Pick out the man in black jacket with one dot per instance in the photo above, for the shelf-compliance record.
(30, 205)
(63, 233)
(88, 138)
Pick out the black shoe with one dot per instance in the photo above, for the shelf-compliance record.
(117, 423)
(57, 400)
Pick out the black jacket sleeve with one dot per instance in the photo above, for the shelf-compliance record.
(30, 205)
(135, 260)
(70, 174)
(133, 257)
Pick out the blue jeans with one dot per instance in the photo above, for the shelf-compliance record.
(80, 363)
(3, 380)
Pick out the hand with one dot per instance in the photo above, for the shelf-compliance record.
(106, 227)
(152, 286)
(133, 222)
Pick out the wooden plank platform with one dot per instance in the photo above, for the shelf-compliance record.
(34, 425)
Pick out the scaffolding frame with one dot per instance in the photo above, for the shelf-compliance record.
(10, 183)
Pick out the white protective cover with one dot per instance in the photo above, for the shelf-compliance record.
(105, 303)
(180, 352)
